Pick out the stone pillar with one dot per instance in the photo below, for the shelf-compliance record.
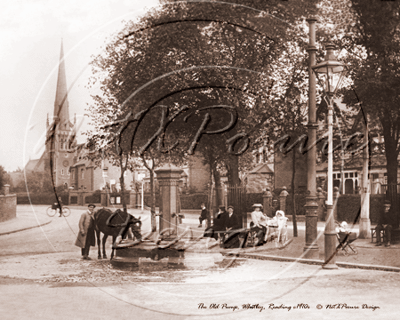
(321, 204)
(168, 177)
(6, 189)
(104, 198)
(311, 247)
(267, 202)
(282, 199)
(132, 199)
(336, 195)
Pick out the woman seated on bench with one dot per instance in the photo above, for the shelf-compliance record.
(259, 223)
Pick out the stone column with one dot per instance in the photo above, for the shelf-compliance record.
(104, 198)
(132, 199)
(6, 189)
(168, 177)
(267, 202)
(311, 247)
(321, 204)
(282, 199)
(336, 195)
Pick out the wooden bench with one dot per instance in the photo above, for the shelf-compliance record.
(373, 234)
(395, 234)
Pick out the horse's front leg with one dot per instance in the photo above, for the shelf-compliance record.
(104, 246)
(112, 251)
(98, 244)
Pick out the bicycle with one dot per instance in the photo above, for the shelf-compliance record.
(52, 210)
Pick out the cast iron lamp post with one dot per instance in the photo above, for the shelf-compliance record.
(330, 73)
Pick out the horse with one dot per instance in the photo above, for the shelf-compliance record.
(119, 223)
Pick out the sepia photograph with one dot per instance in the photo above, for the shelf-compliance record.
(200, 159)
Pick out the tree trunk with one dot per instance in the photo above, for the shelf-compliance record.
(153, 202)
(122, 183)
(218, 189)
(233, 171)
(293, 193)
(391, 168)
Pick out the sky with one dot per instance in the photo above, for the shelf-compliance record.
(30, 41)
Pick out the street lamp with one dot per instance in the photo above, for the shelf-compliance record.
(330, 74)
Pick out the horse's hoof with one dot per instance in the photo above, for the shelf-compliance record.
(99, 257)
(104, 257)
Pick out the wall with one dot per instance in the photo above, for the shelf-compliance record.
(199, 174)
(283, 169)
(8, 207)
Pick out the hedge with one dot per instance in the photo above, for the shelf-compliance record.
(193, 201)
(349, 207)
(41, 198)
(252, 198)
(147, 199)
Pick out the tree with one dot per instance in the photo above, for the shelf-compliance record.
(3, 177)
(192, 35)
(373, 43)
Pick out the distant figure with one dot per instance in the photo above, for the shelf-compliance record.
(86, 237)
(385, 223)
(203, 214)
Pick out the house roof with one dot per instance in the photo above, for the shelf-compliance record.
(262, 168)
(30, 166)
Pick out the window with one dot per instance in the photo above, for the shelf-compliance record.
(62, 172)
(351, 174)
(346, 175)
(83, 173)
(105, 173)
(73, 174)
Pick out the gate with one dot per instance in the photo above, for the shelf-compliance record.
(237, 198)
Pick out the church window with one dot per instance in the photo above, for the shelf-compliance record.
(83, 173)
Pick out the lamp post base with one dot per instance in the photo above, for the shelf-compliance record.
(330, 240)
(311, 250)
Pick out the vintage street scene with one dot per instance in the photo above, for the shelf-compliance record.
(208, 159)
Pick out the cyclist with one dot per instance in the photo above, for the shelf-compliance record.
(58, 205)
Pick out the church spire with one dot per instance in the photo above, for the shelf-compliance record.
(61, 107)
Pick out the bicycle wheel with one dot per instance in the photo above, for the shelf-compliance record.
(66, 211)
(50, 211)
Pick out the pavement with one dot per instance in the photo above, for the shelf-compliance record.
(369, 256)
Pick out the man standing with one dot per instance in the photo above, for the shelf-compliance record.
(232, 225)
(86, 237)
(203, 214)
(385, 223)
